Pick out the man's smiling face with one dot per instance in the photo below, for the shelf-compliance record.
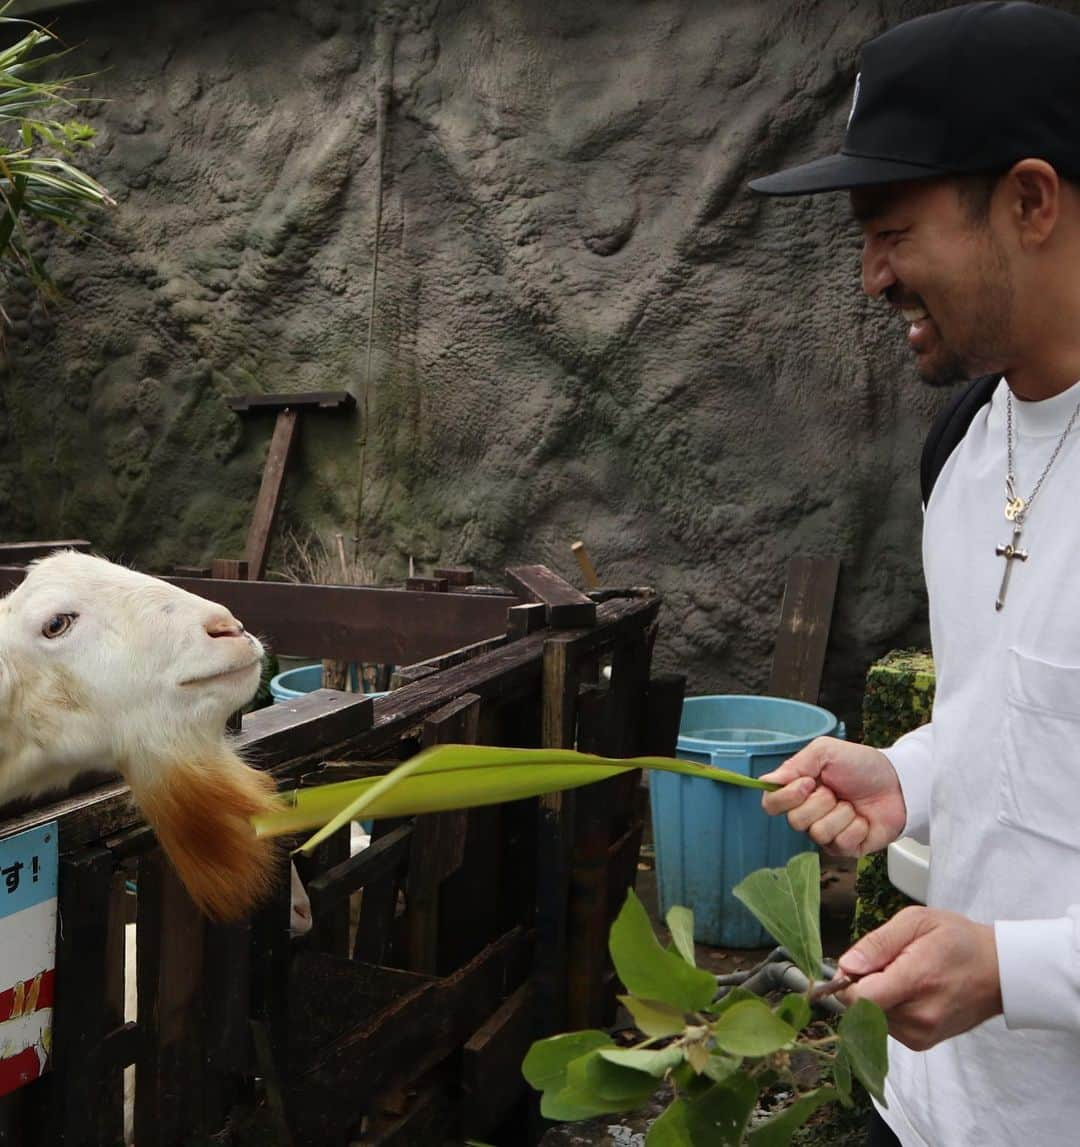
(930, 254)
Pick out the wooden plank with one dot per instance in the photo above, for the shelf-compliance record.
(439, 839)
(457, 656)
(428, 1118)
(554, 840)
(17, 553)
(587, 924)
(427, 584)
(169, 976)
(324, 399)
(409, 674)
(380, 859)
(229, 569)
(356, 623)
(341, 1080)
(330, 925)
(375, 941)
(521, 620)
(663, 714)
(81, 1016)
(269, 499)
(118, 1048)
(567, 606)
(491, 1078)
(805, 617)
(192, 571)
(271, 1001)
(456, 575)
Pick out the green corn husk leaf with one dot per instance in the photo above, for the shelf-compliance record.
(448, 777)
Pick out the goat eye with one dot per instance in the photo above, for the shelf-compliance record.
(58, 625)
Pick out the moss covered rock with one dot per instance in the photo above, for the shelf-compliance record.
(899, 697)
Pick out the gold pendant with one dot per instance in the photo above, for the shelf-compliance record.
(1014, 507)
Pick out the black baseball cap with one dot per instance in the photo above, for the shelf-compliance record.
(970, 90)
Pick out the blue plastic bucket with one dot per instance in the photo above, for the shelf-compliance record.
(709, 836)
(296, 682)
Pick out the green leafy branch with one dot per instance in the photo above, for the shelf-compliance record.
(39, 136)
(718, 1053)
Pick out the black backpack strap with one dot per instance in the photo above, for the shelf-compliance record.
(949, 428)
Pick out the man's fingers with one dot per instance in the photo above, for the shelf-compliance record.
(850, 841)
(825, 830)
(817, 805)
(806, 762)
(878, 949)
(789, 797)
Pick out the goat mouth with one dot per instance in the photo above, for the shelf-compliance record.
(224, 673)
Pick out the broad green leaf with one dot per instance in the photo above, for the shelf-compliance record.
(569, 1104)
(653, 1017)
(610, 1083)
(447, 777)
(778, 1130)
(734, 995)
(794, 1009)
(750, 1028)
(721, 1067)
(680, 922)
(717, 1118)
(648, 970)
(656, 1063)
(841, 1071)
(863, 1030)
(787, 901)
(545, 1065)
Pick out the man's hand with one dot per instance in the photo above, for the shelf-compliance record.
(845, 797)
(934, 973)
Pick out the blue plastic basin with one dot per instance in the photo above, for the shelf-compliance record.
(709, 836)
(296, 682)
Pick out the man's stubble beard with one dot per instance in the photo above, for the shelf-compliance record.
(990, 328)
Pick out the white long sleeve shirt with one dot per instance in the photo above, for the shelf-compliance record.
(993, 784)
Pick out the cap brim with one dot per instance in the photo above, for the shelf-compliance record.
(841, 172)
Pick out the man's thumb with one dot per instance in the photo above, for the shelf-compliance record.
(878, 949)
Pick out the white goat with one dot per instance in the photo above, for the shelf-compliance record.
(104, 667)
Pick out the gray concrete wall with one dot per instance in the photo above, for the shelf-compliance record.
(583, 324)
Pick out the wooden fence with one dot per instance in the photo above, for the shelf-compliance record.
(439, 952)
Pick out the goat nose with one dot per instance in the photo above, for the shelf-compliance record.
(224, 625)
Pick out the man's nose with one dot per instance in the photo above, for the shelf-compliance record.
(877, 275)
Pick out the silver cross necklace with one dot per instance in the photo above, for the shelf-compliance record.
(1016, 508)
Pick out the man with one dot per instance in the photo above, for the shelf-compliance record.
(962, 161)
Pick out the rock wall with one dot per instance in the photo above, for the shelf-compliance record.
(519, 232)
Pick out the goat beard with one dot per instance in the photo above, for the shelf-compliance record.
(201, 812)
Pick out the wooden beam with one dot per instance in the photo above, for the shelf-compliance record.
(269, 499)
(324, 399)
(567, 606)
(805, 617)
(15, 553)
(440, 839)
(356, 623)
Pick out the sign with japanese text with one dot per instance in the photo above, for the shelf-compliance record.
(28, 875)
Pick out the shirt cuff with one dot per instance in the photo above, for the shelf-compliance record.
(912, 758)
(1040, 973)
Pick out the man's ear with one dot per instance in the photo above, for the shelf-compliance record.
(1035, 200)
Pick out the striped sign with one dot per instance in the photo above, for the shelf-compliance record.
(28, 871)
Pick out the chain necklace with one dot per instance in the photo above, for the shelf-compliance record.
(1016, 508)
